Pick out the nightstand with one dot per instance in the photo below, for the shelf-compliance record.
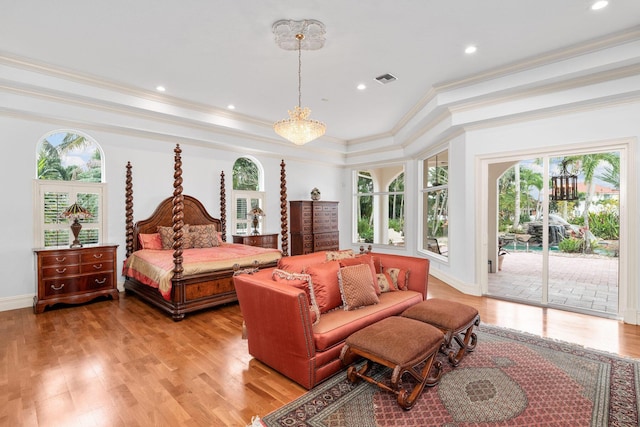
(74, 275)
(261, 240)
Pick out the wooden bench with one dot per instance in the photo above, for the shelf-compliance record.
(453, 319)
(401, 344)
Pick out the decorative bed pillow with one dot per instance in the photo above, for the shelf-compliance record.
(166, 236)
(356, 287)
(366, 260)
(399, 276)
(337, 255)
(303, 282)
(324, 278)
(150, 241)
(204, 236)
(385, 283)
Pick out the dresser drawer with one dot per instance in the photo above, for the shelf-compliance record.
(95, 267)
(60, 259)
(95, 255)
(97, 281)
(60, 271)
(62, 286)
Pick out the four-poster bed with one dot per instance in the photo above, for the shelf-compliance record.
(187, 275)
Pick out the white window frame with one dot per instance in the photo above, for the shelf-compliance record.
(73, 188)
(424, 192)
(237, 195)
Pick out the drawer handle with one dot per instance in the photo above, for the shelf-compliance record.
(97, 256)
(101, 282)
(61, 270)
(97, 266)
(58, 288)
(61, 259)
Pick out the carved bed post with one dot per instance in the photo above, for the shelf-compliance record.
(223, 208)
(284, 227)
(128, 195)
(178, 215)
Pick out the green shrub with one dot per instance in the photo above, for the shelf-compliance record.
(365, 231)
(571, 245)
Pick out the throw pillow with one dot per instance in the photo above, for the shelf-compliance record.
(337, 255)
(204, 236)
(366, 260)
(298, 263)
(166, 236)
(326, 289)
(150, 241)
(303, 282)
(399, 276)
(385, 283)
(356, 287)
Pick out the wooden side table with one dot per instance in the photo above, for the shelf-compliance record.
(74, 275)
(260, 240)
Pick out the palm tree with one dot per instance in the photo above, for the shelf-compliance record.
(587, 165)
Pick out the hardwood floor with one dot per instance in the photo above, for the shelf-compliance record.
(122, 363)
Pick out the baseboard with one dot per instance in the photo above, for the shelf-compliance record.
(16, 302)
(465, 288)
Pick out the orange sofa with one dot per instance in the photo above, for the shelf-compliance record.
(279, 324)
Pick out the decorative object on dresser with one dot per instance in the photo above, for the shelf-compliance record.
(74, 275)
(315, 194)
(76, 212)
(314, 226)
(256, 213)
(260, 240)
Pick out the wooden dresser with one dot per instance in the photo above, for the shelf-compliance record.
(260, 240)
(74, 275)
(314, 226)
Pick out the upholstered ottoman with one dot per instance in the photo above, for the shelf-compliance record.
(401, 344)
(452, 318)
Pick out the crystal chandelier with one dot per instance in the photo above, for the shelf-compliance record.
(298, 128)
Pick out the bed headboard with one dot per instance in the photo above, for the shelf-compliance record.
(194, 214)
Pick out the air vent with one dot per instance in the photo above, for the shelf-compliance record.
(386, 78)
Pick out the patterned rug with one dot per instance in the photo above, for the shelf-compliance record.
(511, 379)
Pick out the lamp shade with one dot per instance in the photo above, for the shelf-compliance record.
(76, 211)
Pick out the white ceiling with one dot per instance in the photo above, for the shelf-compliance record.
(220, 52)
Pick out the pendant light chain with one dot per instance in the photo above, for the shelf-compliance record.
(299, 37)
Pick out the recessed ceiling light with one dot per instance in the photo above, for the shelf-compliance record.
(470, 49)
(231, 107)
(362, 86)
(160, 88)
(600, 4)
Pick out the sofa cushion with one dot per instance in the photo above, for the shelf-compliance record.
(334, 327)
(303, 282)
(363, 259)
(298, 263)
(324, 280)
(356, 286)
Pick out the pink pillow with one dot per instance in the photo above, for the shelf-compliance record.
(399, 276)
(298, 263)
(302, 282)
(150, 241)
(324, 279)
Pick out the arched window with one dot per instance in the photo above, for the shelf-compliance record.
(248, 197)
(379, 204)
(69, 170)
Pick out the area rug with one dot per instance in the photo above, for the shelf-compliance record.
(511, 379)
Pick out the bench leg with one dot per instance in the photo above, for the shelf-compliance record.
(466, 344)
(406, 400)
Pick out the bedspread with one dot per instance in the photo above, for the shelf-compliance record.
(155, 267)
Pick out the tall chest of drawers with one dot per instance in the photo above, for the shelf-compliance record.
(74, 275)
(313, 226)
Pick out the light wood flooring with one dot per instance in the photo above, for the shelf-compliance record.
(123, 363)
